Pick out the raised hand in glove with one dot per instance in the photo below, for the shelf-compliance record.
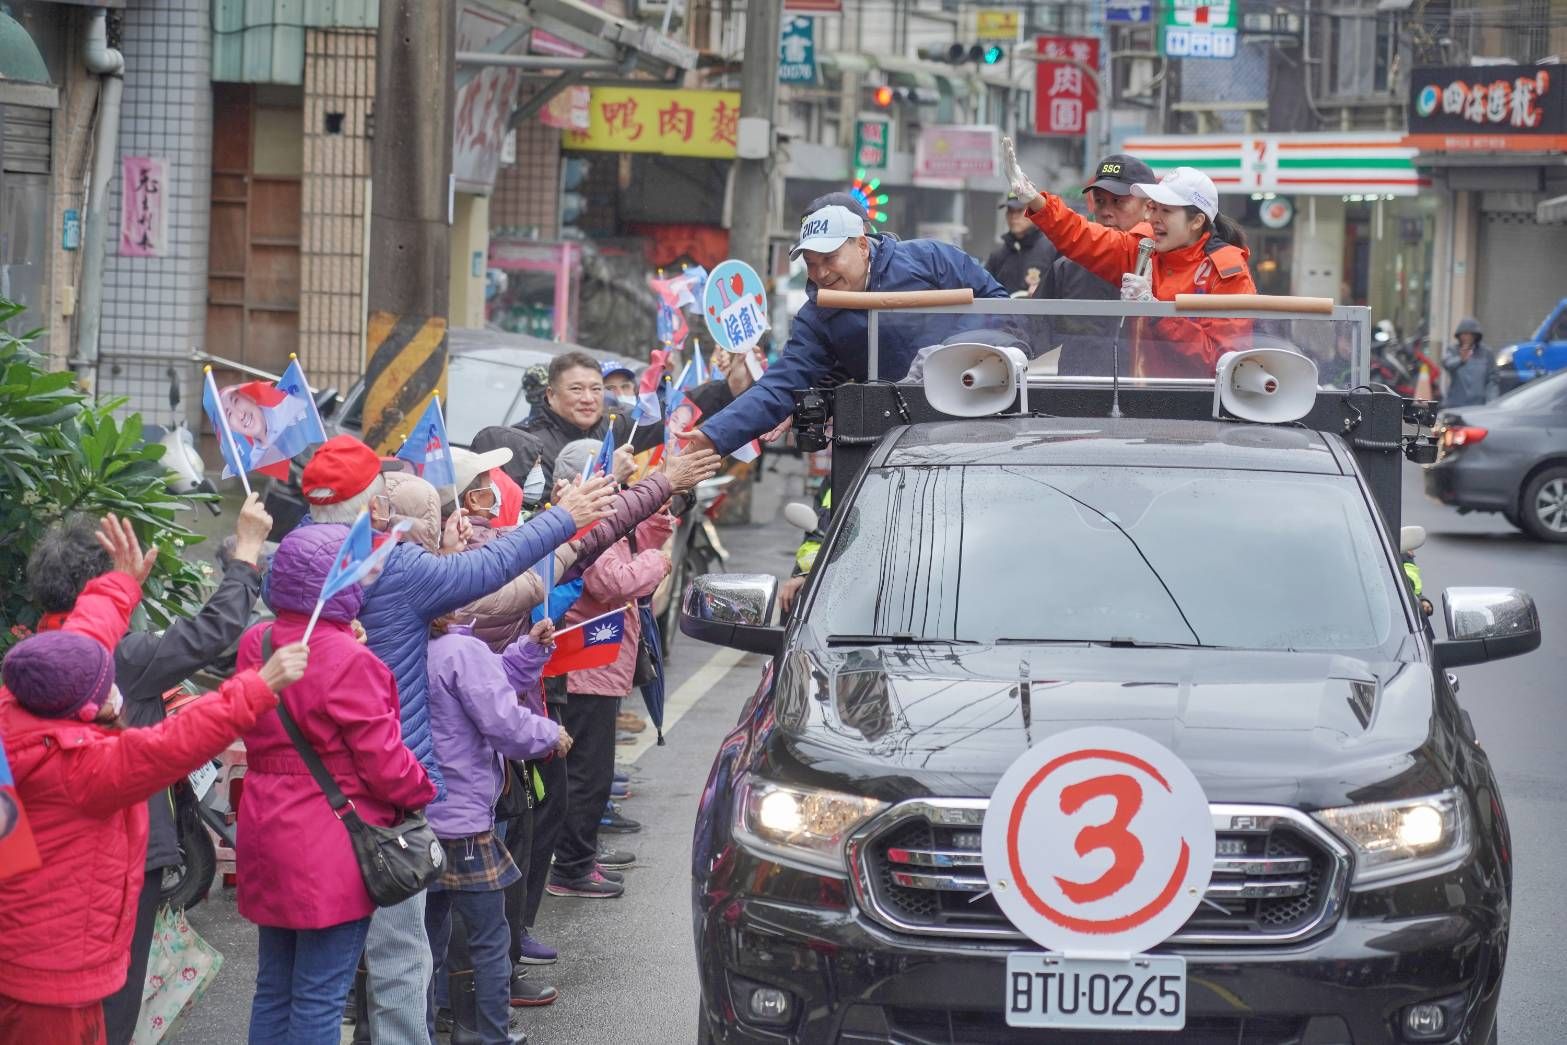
(1021, 186)
(1136, 288)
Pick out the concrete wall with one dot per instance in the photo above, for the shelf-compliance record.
(154, 308)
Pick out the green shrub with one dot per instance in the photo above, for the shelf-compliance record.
(62, 453)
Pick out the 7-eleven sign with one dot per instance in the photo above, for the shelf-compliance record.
(1199, 29)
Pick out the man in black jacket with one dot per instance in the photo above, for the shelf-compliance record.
(147, 665)
(1025, 255)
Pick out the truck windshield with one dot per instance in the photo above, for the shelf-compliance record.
(1240, 559)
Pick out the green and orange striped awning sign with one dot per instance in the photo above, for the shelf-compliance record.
(1297, 164)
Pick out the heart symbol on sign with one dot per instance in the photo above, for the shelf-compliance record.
(760, 300)
(712, 311)
(737, 284)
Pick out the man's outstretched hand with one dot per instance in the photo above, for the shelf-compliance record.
(117, 537)
(695, 439)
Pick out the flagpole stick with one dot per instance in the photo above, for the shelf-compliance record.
(315, 615)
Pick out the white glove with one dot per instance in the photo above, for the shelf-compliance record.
(1136, 288)
(1022, 188)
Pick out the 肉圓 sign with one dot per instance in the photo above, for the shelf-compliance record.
(1488, 108)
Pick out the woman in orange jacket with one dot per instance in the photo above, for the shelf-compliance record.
(1196, 250)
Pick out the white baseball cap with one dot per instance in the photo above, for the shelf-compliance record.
(468, 465)
(1183, 187)
(825, 230)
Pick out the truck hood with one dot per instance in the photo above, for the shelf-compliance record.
(1300, 729)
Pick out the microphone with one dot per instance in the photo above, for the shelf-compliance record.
(1144, 255)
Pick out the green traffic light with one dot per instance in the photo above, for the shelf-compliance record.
(992, 55)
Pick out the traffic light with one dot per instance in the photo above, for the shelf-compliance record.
(960, 54)
(884, 97)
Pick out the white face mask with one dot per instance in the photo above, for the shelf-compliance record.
(626, 401)
(533, 485)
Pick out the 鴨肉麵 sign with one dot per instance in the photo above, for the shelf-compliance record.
(1488, 108)
(666, 121)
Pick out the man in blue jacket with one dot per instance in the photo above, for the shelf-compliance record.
(840, 256)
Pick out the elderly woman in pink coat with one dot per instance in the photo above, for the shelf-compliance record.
(298, 879)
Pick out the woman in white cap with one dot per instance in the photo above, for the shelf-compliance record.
(1196, 250)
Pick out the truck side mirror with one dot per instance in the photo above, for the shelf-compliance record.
(1486, 624)
(733, 609)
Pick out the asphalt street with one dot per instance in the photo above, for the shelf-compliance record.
(627, 972)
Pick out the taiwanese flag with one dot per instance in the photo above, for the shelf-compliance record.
(592, 644)
(361, 552)
(648, 407)
(428, 449)
(18, 851)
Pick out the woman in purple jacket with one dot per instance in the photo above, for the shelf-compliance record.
(477, 722)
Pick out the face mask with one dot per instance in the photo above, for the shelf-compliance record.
(533, 485)
(626, 402)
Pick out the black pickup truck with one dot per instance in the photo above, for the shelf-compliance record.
(1231, 590)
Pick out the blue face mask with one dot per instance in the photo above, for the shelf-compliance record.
(533, 485)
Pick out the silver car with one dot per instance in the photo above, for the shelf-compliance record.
(1508, 456)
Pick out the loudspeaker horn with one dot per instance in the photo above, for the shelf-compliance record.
(1264, 384)
(971, 379)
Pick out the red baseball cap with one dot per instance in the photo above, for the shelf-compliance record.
(341, 468)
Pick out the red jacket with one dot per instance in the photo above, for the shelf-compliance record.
(295, 863)
(65, 929)
(1176, 347)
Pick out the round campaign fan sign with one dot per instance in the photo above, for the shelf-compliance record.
(734, 303)
(1098, 841)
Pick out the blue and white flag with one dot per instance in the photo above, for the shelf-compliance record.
(428, 449)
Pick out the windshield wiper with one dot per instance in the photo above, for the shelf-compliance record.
(1117, 643)
(903, 638)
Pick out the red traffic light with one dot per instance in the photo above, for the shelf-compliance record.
(884, 97)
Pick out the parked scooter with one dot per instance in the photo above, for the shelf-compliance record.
(206, 807)
(188, 473)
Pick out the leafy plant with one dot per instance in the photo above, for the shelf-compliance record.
(62, 453)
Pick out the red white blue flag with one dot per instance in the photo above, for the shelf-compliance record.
(363, 550)
(428, 449)
(648, 407)
(261, 426)
(592, 644)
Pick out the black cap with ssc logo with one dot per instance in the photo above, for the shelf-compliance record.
(1119, 172)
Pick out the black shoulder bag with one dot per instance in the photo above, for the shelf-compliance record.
(396, 862)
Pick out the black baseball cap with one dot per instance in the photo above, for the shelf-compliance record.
(1117, 173)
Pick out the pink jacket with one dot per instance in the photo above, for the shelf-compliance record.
(618, 577)
(295, 863)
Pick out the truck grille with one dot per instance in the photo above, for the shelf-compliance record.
(1277, 876)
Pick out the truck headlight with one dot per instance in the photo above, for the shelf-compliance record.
(799, 825)
(1505, 356)
(1409, 838)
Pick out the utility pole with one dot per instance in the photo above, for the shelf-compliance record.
(410, 200)
(752, 209)
(753, 204)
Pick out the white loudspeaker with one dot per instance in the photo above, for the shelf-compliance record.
(801, 515)
(1410, 538)
(1264, 384)
(972, 379)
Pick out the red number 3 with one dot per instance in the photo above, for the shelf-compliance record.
(1111, 835)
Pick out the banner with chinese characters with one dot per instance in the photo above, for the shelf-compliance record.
(1065, 92)
(144, 203)
(1488, 108)
(797, 50)
(1199, 29)
(483, 104)
(872, 142)
(667, 121)
(957, 153)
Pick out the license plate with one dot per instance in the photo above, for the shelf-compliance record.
(1147, 992)
(202, 777)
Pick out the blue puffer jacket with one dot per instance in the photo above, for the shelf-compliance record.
(417, 586)
(822, 339)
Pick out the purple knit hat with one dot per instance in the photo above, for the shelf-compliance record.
(59, 674)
